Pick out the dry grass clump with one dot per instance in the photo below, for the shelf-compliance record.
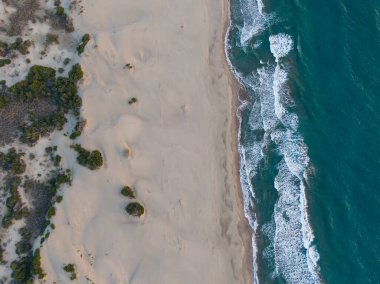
(25, 10)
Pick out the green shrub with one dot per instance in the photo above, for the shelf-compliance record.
(70, 268)
(60, 11)
(4, 62)
(132, 100)
(76, 73)
(135, 209)
(50, 213)
(85, 39)
(66, 61)
(90, 159)
(57, 160)
(128, 192)
(36, 265)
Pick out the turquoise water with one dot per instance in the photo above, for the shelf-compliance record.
(310, 136)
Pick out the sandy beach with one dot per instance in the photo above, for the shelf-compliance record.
(175, 147)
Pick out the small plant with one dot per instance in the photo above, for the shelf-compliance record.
(85, 39)
(93, 160)
(132, 100)
(128, 66)
(128, 192)
(70, 268)
(66, 61)
(57, 160)
(135, 209)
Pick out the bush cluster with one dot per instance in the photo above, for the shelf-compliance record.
(14, 204)
(25, 268)
(18, 45)
(70, 268)
(12, 162)
(63, 17)
(91, 159)
(41, 82)
(31, 132)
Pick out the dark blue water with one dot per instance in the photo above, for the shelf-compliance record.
(310, 136)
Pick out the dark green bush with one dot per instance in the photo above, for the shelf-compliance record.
(85, 39)
(132, 100)
(70, 268)
(36, 265)
(4, 62)
(128, 192)
(66, 61)
(57, 160)
(135, 209)
(76, 73)
(50, 213)
(60, 11)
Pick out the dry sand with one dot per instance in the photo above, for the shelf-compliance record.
(180, 135)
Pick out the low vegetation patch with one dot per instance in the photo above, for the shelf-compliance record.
(92, 160)
(4, 62)
(12, 162)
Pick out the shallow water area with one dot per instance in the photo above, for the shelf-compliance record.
(303, 134)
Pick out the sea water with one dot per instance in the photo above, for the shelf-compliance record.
(309, 136)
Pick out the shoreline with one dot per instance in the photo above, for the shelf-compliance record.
(245, 230)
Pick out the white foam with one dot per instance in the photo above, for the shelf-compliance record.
(260, 6)
(287, 118)
(290, 260)
(254, 22)
(308, 235)
(280, 45)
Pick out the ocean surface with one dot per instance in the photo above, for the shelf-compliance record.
(309, 137)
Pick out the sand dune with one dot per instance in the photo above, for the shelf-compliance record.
(180, 144)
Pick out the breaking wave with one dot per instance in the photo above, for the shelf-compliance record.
(293, 253)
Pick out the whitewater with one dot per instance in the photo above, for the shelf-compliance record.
(291, 250)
